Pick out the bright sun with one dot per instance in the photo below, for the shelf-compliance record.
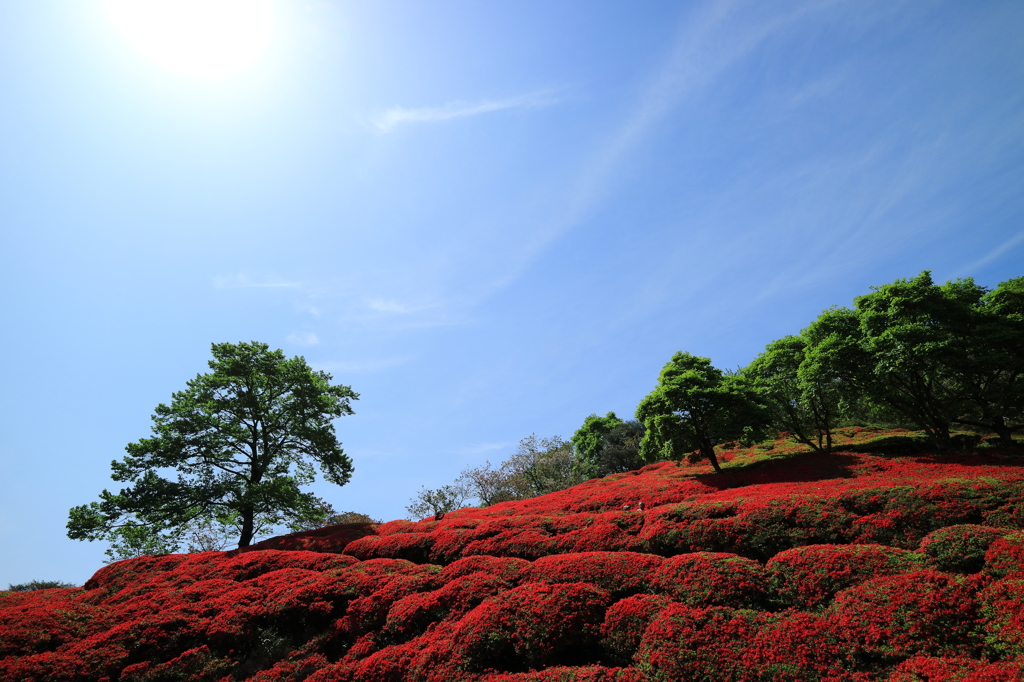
(196, 38)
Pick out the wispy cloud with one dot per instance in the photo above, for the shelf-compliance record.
(390, 305)
(245, 281)
(387, 120)
(303, 338)
(992, 255)
(481, 448)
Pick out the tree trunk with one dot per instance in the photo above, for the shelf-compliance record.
(1004, 432)
(245, 539)
(708, 450)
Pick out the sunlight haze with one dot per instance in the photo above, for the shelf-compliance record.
(490, 219)
(197, 38)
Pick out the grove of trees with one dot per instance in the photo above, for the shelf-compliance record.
(912, 352)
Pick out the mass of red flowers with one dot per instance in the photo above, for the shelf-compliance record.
(830, 567)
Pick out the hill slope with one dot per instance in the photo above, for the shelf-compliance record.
(849, 566)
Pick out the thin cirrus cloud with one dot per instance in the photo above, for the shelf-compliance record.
(389, 119)
(245, 281)
(303, 338)
(370, 365)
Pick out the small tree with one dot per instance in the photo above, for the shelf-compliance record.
(240, 440)
(440, 501)
(340, 518)
(695, 407)
(543, 465)
(608, 445)
(491, 485)
(800, 398)
(33, 585)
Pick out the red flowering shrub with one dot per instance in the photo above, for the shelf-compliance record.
(42, 620)
(294, 609)
(411, 546)
(685, 643)
(330, 539)
(810, 576)
(1009, 515)
(929, 669)
(621, 573)
(795, 647)
(1002, 610)
(924, 612)
(588, 673)
(776, 525)
(533, 625)
(506, 568)
(525, 544)
(292, 670)
(707, 579)
(624, 625)
(961, 548)
(1005, 555)
(197, 664)
(411, 615)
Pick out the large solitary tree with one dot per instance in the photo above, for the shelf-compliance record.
(233, 448)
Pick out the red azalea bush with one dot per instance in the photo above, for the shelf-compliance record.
(569, 585)
(620, 573)
(807, 577)
(1002, 609)
(930, 669)
(924, 612)
(960, 548)
(1005, 555)
(796, 647)
(686, 643)
(533, 625)
(625, 623)
(708, 578)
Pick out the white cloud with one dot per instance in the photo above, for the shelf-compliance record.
(387, 120)
(303, 338)
(245, 281)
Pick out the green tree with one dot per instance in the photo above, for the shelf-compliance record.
(801, 396)
(608, 445)
(918, 336)
(33, 585)
(542, 465)
(239, 442)
(431, 502)
(695, 407)
(993, 376)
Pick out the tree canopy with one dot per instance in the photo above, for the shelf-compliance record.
(233, 448)
(695, 407)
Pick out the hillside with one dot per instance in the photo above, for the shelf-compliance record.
(876, 562)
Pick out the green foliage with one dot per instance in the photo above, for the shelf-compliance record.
(240, 441)
(695, 407)
(994, 376)
(38, 585)
(931, 354)
(440, 501)
(543, 465)
(800, 398)
(607, 445)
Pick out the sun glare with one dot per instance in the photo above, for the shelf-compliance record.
(198, 38)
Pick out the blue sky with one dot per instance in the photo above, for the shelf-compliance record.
(490, 219)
